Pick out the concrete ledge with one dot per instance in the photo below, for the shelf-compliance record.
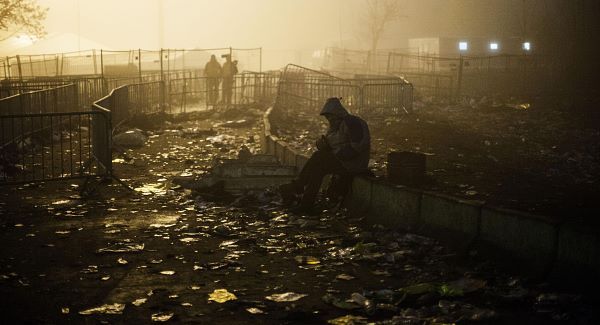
(446, 213)
(578, 251)
(541, 242)
(394, 206)
(359, 199)
(527, 237)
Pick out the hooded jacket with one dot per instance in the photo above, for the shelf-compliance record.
(350, 141)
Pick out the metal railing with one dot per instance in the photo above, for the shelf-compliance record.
(512, 75)
(247, 88)
(302, 90)
(43, 137)
(125, 63)
(54, 100)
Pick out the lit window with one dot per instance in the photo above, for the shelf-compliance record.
(527, 46)
(463, 46)
(494, 46)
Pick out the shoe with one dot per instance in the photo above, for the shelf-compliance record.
(289, 192)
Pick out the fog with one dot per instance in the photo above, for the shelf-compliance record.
(204, 24)
(285, 29)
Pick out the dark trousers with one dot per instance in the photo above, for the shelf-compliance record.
(213, 90)
(227, 90)
(321, 163)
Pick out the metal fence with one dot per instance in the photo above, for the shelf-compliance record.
(51, 126)
(43, 137)
(54, 100)
(123, 64)
(302, 90)
(89, 88)
(192, 92)
(512, 75)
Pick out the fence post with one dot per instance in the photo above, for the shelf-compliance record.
(162, 90)
(19, 67)
(31, 67)
(161, 65)
(62, 63)
(56, 67)
(140, 64)
(95, 62)
(102, 63)
(260, 60)
(361, 101)
(460, 75)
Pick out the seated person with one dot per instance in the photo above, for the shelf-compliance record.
(344, 150)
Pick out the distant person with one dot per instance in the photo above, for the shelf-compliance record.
(212, 72)
(344, 151)
(228, 72)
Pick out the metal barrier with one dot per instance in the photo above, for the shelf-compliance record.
(432, 84)
(89, 88)
(54, 100)
(43, 137)
(302, 90)
(145, 98)
(247, 88)
(512, 75)
(127, 63)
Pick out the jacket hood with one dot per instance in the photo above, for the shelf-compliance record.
(333, 106)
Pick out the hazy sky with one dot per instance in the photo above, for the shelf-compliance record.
(274, 24)
(125, 24)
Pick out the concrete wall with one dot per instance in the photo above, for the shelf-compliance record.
(565, 251)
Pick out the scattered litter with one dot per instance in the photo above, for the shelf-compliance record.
(122, 248)
(285, 297)
(162, 317)
(221, 296)
(111, 309)
(348, 320)
(139, 302)
(344, 277)
(309, 260)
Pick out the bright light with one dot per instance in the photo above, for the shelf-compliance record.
(463, 46)
(527, 46)
(24, 40)
(494, 46)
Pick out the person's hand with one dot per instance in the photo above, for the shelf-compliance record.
(322, 144)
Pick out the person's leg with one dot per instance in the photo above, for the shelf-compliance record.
(311, 177)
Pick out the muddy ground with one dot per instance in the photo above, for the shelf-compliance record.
(533, 157)
(164, 253)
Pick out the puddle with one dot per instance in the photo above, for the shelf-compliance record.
(122, 248)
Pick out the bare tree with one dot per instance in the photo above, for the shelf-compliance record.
(24, 16)
(377, 15)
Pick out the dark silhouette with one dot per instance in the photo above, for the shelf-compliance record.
(212, 72)
(228, 72)
(344, 152)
